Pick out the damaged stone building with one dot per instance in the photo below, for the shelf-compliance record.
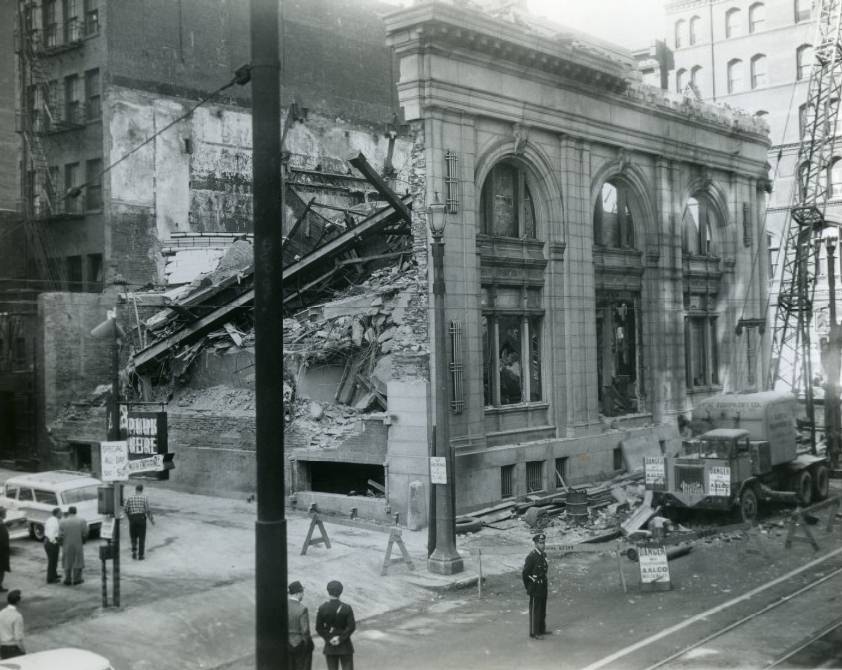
(603, 244)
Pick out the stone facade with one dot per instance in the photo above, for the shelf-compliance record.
(625, 312)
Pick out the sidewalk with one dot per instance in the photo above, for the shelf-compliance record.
(206, 545)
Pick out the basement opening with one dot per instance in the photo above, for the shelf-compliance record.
(346, 478)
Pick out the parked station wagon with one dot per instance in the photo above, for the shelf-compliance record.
(37, 494)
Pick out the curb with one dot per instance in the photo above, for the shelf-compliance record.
(455, 585)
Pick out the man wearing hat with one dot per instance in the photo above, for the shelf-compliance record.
(335, 623)
(300, 642)
(535, 581)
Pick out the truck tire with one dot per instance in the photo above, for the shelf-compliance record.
(803, 487)
(36, 532)
(748, 504)
(821, 482)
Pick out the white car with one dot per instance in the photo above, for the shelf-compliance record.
(58, 659)
(37, 494)
(16, 524)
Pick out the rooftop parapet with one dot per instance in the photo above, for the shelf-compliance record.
(578, 58)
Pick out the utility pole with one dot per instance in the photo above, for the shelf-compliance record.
(270, 528)
(831, 364)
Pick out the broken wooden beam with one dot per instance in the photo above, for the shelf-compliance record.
(361, 163)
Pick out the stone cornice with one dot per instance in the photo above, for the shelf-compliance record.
(456, 28)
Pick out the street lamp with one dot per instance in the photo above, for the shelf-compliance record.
(444, 560)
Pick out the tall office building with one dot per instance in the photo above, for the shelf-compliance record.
(757, 56)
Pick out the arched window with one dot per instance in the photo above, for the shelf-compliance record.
(507, 208)
(695, 29)
(756, 17)
(697, 221)
(835, 181)
(512, 311)
(680, 28)
(696, 76)
(735, 75)
(680, 80)
(803, 61)
(758, 71)
(612, 218)
(733, 23)
(802, 10)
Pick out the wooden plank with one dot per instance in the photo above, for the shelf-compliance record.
(361, 163)
(160, 346)
(233, 334)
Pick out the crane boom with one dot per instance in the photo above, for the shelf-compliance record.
(791, 361)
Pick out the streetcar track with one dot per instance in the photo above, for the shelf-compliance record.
(806, 643)
(702, 616)
(740, 622)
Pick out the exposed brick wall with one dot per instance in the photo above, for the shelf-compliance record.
(134, 244)
(333, 52)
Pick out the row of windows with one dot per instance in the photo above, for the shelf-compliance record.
(757, 69)
(689, 32)
(79, 274)
(512, 318)
(61, 104)
(62, 23)
(55, 184)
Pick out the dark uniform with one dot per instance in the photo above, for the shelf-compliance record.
(336, 619)
(535, 581)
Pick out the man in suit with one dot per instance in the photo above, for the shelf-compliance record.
(535, 581)
(73, 530)
(300, 642)
(335, 623)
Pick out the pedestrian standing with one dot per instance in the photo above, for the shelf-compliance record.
(335, 623)
(535, 580)
(300, 641)
(52, 545)
(4, 549)
(11, 627)
(72, 530)
(137, 509)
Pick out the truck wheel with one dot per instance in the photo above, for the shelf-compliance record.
(36, 531)
(804, 487)
(748, 504)
(821, 482)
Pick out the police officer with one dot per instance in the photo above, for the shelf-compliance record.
(535, 581)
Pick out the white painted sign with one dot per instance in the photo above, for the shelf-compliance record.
(719, 481)
(654, 566)
(438, 470)
(654, 473)
(152, 463)
(114, 458)
(106, 532)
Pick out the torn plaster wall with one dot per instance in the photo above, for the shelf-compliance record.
(172, 169)
(132, 182)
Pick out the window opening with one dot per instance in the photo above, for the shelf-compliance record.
(507, 208)
(507, 480)
(561, 472)
(803, 61)
(735, 76)
(534, 476)
(758, 71)
(756, 17)
(733, 23)
(613, 222)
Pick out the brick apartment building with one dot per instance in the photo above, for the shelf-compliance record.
(598, 252)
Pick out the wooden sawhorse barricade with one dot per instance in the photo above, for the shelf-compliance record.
(803, 518)
(395, 538)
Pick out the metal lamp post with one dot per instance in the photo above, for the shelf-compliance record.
(444, 560)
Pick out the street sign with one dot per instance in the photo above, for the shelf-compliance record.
(114, 461)
(151, 464)
(654, 568)
(438, 470)
(106, 532)
(654, 473)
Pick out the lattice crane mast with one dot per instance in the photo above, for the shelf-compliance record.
(791, 360)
